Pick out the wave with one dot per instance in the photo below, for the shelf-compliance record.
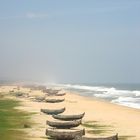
(128, 101)
(130, 98)
(91, 88)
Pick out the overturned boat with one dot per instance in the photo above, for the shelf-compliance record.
(53, 111)
(60, 94)
(39, 99)
(54, 100)
(69, 117)
(65, 134)
(64, 124)
(51, 91)
(113, 137)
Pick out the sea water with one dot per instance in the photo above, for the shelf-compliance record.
(122, 94)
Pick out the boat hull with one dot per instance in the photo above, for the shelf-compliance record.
(69, 117)
(64, 124)
(53, 111)
(65, 134)
(54, 100)
(114, 137)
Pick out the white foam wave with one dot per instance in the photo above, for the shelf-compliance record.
(137, 93)
(123, 97)
(128, 101)
(91, 88)
(102, 95)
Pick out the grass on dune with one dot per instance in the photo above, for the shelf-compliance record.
(12, 121)
(97, 129)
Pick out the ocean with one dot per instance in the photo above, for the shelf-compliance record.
(122, 94)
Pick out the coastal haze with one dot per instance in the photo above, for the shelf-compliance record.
(93, 41)
(70, 64)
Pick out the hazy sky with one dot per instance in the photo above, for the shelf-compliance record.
(70, 41)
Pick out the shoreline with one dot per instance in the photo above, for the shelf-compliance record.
(117, 118)
(101, 100)
(115, 94)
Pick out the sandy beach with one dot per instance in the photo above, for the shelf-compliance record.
(113, 118)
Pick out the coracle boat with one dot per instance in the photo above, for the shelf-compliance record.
(60, 94)
(64, 124)
(52, 91)
(113, 137)
(65, 134)
(53, 111)
(39, 99)
(69, 117)
(54, 100)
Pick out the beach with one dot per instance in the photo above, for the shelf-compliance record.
(109, 118)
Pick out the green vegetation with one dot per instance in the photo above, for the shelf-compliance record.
(47, 137)
(12, 121)
(126, 137)
(94, 124)
(95, 128)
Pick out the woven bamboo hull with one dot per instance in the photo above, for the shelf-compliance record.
(65, 134)
(69, 117)
(114, 137)
(53, 111)
(64, 124)
(54, 100)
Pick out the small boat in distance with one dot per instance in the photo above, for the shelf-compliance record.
(51, 92)
(64, 124)
(69, 117)
(60, 94)
(54, 100)
(53, 111)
